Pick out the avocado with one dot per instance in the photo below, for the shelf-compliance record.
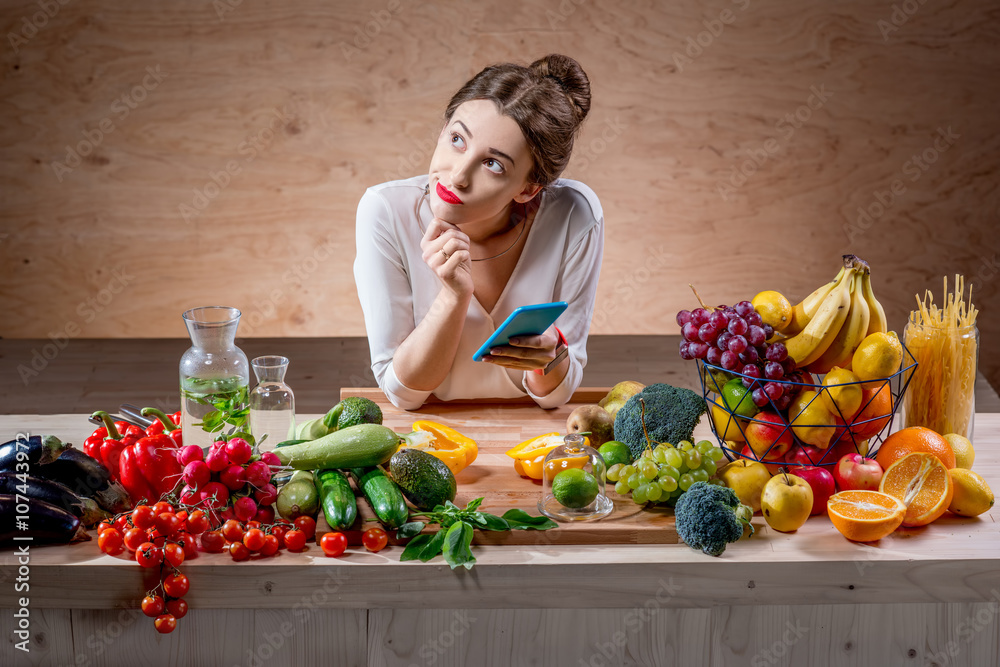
(354, 410)
(424, 479)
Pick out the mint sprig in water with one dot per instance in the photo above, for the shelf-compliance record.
(454, 539)
(232, 408)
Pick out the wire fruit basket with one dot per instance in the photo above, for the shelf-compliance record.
(860, 433)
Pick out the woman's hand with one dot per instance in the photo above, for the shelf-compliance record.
(446, 250)
(526, 353)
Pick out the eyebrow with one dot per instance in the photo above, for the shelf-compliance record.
(491, 151)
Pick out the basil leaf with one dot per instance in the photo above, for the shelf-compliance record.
(477, 518)
(408, 530)
(474, 505)
(494, 522)
(413, 549)
(457, 546)
(433, 547)
(521, 520)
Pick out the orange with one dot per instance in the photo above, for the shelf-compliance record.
(922, 483)
(914, 439)
(865, 516)
(876, 404)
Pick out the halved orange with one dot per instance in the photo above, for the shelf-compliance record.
(922, 483)
(865, 516)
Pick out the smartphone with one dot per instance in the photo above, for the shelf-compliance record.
(524, 321)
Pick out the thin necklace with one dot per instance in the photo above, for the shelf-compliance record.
(524, 218)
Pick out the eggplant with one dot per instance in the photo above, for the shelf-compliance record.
(54, 493)
(86, 477)
(44, 522)
(41, 450)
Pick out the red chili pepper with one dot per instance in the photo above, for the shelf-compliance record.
(149, 467)
(114, 437)
(163, 423)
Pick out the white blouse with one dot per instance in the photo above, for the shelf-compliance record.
(560, 261)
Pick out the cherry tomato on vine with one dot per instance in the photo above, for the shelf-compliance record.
(271, 545)
(295, 540)
(161, 507)
(148, 555)
(279, 532)
(197, 522)
(134, 537)
(232, 530)
(375, 539)
(165, 624)
(103, 526)
(152, 605)
(307, 525)
(178, 608)
(253, 539)
(143, 517)
(188, 543)
(173, 553)
(333, 544)
(212, 541)
(239, 551)
(253, 524)
(167, 523)
(110, 542)
(176, 585)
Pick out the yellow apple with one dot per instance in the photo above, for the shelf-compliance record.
(747, 479)
(787, 502)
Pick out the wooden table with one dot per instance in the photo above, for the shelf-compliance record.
(812, 597)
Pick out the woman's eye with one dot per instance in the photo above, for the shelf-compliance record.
(456, 136)
(495, 163)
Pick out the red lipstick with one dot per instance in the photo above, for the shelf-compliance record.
(446, 195)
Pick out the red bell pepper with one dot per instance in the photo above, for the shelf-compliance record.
(106, 443)
(149, 467)
(168, 424)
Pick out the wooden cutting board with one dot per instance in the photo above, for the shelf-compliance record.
(498, 426)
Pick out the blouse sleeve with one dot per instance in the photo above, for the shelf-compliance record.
(577, 286)
(386, 296)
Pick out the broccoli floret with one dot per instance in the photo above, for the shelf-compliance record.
(708, 517)
(671, 413)
(352, 411)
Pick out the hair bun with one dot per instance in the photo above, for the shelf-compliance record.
(571, 78)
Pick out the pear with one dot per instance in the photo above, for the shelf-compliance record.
(619, 395)
(596, 420)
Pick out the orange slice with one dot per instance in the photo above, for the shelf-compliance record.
(922, 483)
(865, 516)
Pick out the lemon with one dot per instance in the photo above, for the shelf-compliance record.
(773, 308)
(973, 495)
(964, 453)
(843, 401)
(728, 426)
(574, 488)
(877, 357)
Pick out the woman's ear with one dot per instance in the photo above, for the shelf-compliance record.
(528, 193)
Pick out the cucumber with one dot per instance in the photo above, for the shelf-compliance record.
(360, 446)
(336, 498)
(383, 495)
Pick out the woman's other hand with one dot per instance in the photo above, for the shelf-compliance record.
(446, 250)
(526, 353)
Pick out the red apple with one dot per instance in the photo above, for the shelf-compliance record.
(854, 471)
(769, 435)
(807, 455)
(822, 483)
(773, 468)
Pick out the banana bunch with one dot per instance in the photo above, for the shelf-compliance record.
(828, 325)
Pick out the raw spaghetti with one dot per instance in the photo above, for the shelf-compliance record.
(944, 343)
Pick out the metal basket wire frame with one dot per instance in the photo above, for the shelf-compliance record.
(898, 383)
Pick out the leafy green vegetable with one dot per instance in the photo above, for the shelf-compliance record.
(454, 539)
(232, 408)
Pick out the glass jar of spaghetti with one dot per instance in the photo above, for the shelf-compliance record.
(945, 344)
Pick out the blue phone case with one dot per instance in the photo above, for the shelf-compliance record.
(524, 321)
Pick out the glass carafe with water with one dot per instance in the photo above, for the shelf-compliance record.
(272, 403)
(214, 372)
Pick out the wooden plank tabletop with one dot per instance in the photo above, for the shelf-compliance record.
(953, 560)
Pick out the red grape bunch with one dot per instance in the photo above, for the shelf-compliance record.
(734, 339)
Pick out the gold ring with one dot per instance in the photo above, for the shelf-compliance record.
(446, 255)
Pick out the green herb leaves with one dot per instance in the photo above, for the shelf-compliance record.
(232, 408)
(454, 539)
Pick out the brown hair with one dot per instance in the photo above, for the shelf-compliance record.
(548, 100)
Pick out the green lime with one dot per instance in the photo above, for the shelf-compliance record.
(615, 452)
(738, 398)
(574, 488)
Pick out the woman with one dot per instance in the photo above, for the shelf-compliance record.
(444, 258)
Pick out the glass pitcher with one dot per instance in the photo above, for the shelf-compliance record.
(272, 403)
(214, 372)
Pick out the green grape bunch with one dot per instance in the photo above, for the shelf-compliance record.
(662, 473)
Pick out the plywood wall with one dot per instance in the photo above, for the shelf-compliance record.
(159, 156)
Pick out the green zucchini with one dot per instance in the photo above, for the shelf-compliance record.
(358, 446)
(286, 443)
(383, 495)
(336, 498)
(298, 497)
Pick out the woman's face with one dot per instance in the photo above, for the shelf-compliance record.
(483, 160)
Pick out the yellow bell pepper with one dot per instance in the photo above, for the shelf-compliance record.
(529, 456)
(457, 451)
